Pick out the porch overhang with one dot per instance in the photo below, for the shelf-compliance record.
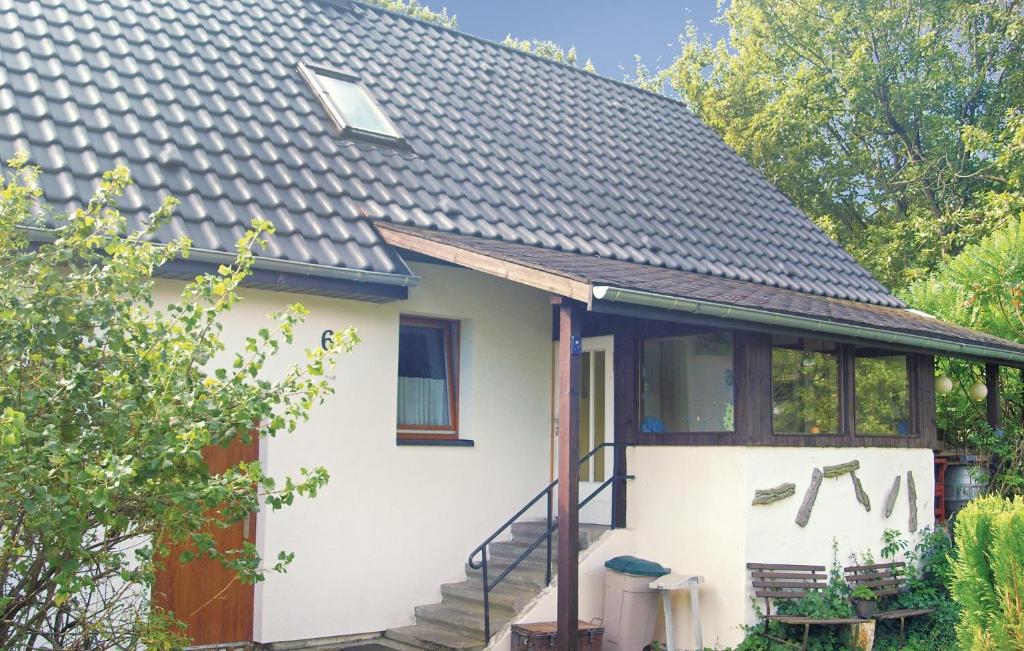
(826, 328)
(658, 293)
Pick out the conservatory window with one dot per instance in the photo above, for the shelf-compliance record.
(686, 384)
(882, 393)
(805, 386)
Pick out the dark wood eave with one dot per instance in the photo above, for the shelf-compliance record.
(525, 275)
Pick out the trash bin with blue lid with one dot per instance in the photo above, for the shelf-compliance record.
(630, 606)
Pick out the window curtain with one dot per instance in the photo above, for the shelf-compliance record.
(422, 401)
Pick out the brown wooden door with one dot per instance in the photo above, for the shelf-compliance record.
(209, 598)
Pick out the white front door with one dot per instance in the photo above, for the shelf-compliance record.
(596, 424)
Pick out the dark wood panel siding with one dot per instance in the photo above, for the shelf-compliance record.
(752, 371)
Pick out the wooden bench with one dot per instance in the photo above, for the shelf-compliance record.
(885, 580)
(774, 581)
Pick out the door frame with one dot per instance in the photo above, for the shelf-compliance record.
(602, 506)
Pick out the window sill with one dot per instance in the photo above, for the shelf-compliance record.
(452, 443)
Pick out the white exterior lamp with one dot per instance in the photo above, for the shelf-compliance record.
(943, 384)
(978, 391)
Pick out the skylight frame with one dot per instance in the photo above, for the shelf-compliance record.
(312, 73)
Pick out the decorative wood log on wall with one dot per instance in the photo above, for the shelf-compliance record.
(912, 494)
(890, 499)
(841, 469)
(858, 490)
(804, 514)
(769, 495)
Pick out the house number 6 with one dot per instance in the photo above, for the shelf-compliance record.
(327, 339)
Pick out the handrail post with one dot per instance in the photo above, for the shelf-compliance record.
(547, 566)
(487, 598)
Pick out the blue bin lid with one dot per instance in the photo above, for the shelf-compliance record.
(636, 566)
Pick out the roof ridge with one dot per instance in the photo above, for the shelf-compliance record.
(343, 4)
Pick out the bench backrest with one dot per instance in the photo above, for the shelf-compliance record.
(776, 581)
(883, 579)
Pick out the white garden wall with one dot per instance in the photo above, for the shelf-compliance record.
(395, 522)
(690, 509)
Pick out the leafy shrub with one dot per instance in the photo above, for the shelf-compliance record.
(988, 574)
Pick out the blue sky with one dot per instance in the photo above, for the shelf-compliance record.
(609, 32)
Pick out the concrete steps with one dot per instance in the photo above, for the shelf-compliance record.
(457, 623)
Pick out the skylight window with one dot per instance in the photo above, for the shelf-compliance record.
(349, 104)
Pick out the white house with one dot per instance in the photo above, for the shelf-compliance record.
(521, 245)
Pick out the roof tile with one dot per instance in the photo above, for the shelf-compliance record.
(500, 143)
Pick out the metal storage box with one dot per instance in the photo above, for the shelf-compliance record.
(542, 635)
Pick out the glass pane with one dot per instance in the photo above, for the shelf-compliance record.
(423, 376)
(805, 387)
(597, 399)
(882, 393)
(585, 398)
(355, 106)
(687, 384)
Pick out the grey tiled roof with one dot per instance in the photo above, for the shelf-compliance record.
(203, 100)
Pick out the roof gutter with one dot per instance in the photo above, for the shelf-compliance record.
(307, 269)
(763, 317)
(211, 256)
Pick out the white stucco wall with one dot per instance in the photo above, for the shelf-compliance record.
(395, 522)
(689, 508)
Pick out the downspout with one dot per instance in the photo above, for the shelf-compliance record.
(718, 310)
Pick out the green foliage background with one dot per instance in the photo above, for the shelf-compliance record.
(879, 118)
(988, 574)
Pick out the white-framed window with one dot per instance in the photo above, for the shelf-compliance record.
(349, 104)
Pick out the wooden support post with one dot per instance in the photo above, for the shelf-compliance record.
(992, 399)
(569, 351)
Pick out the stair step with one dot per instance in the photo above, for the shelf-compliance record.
(534, 561)
(522, 576)
(468, 620)
(509, 596)
(513, 548)
(533, 529)
(433, 638)
(456, 624)
(376, 644)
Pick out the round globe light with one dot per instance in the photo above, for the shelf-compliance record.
(943, 384)
(978, 391)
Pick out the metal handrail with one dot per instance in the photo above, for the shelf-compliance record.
(548, 491)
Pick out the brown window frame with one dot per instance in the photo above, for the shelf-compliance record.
(450, 329)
